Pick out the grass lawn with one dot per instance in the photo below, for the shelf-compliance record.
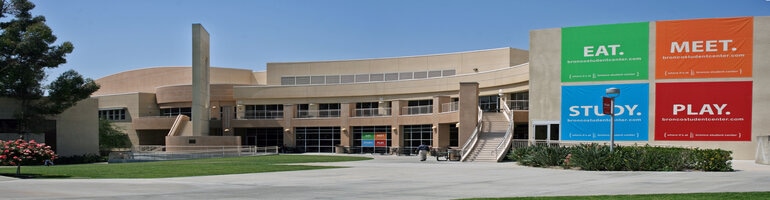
(693, 196)
(181, 168)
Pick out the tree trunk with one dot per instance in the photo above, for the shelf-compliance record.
(18, 170)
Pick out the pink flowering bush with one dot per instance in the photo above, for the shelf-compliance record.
(19, 152)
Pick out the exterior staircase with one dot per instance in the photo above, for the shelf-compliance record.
(493, 132)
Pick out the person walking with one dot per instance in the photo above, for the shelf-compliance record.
(423, 151)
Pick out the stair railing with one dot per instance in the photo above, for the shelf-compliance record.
(178, 124)
(502, 148)
(471, 142)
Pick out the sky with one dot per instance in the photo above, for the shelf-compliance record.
(113, 36)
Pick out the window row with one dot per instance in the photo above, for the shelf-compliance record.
(113, 114)
(363, 78)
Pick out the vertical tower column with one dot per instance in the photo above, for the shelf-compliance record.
(200, 82)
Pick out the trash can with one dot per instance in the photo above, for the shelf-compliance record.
(454, 154)
(339, 149)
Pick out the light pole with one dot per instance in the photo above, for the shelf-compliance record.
(611, 94)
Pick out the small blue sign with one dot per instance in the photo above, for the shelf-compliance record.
(367, 143)
(582, 116)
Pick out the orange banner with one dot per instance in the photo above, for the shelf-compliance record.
(380, 136)
(704, 48)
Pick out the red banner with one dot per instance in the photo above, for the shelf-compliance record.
(703, 111)
(380, 139)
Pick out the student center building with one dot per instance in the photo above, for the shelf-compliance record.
(689, 83)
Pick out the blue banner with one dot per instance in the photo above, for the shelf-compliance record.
(582, 118)
(367, 143)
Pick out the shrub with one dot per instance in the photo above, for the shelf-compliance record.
(713, 160)
(590, 156)
(625, 158)
(20, 152)
(543, 156)
(80, 159)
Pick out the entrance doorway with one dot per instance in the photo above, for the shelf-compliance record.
(546, 132)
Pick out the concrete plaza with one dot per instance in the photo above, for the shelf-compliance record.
(397, 177)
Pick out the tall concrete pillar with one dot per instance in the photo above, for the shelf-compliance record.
(469, 103)
(200, 82)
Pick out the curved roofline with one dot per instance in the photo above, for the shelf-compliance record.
(413, 56)
(161, 67)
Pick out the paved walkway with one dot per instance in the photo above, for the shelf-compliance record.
(397, 177)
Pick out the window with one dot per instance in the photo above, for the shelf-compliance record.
(329, 110)
(288, 80)
(432, 74)
(317, 139)
(371, 139)
(118, 114)
(519, 101)
(489, 103)
(172, 112)
(318, 80)
(261, 137)
(364, 109)
(420, 75)
(415, 135)
(263, 111)
(362, 78)
(303, 80)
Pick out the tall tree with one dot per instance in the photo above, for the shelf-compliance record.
(27, 49)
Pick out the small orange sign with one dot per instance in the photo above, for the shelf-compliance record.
(704, 48)
(380, 136)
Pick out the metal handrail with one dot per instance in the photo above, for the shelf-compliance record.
(325, 113)
(417, 110)
(518, 104)
(506, 143)
(372, 112)
(450, 107)
(471, 143)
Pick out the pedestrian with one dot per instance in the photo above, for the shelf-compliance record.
(423, 151)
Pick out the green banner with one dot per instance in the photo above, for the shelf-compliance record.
(367, 136)
(605, 52)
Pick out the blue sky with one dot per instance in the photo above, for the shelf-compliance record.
(112, 36)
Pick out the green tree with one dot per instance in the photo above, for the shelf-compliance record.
(111, 136)
(27, 49)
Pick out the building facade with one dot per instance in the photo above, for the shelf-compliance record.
(369, 105)
(690, 83)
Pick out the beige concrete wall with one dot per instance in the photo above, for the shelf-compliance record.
(183, 143)
(220, 94)
(462, 62)
(138, 105)
(260, 78)
(545, 76)
(77, 129)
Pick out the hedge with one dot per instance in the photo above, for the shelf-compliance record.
(624, 158)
